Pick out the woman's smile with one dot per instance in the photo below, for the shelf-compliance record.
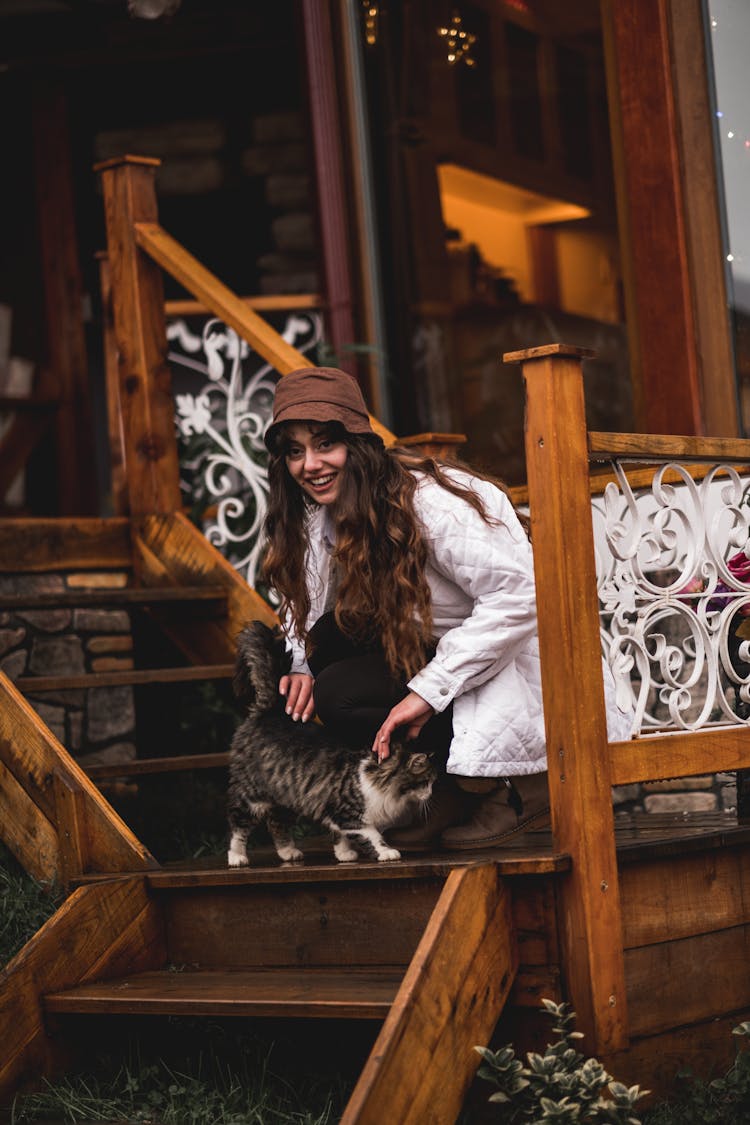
(316, 462)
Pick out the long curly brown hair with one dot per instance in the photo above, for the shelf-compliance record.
(383, 595)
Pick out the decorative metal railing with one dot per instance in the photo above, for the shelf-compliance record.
(223, 398)
(673, 577)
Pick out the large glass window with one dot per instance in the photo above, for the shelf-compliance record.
(728, 26)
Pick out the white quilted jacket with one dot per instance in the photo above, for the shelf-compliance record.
(481, 579)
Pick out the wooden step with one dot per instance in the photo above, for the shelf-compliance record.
(349, 993)
(140, 767)
(209, 597)
(131, 676)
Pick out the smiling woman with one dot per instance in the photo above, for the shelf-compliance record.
(407, 593)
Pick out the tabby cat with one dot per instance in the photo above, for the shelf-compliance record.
(280, 769)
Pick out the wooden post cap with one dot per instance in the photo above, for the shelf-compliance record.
(547, 350)
(127, 158)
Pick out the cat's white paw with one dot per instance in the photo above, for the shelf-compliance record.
(237, 859)
(345, 853)
(388, 853)
(290, 854)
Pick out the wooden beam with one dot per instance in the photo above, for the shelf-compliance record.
(704, 242)
(281, 302)
(454, 990)
(26, 828)
(102, 930)
(652, 213)
(332, 195)
(67, 360)
(145, 391)
(651, 447)
(30, 751)
(18, 442)
(575, 721)
(679, 754)
(118, 481)
(68, 544)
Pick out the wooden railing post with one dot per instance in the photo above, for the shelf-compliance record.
(575, 719)
(150, 446)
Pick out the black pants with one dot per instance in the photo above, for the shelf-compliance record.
(354, 691)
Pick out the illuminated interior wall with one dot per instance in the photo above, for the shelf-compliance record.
(589, 274)
(496, 217)
(500, 236)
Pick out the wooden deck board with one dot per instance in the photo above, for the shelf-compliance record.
(336, 993)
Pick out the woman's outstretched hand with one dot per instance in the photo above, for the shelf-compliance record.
(298, 692)
(412, 712)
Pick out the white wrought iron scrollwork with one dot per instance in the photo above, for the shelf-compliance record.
(223, 397)
(673, 576)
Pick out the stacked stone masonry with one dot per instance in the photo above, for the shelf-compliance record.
(95, 725)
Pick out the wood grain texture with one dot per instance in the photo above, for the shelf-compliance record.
(124, 596)
(681, 754)
(668, 983)
(66, 351)
(651, 208)
(117, 475)
(650, 447)
(72, 828)
(575, 723)
(186, 557)
(343, 993)
(38, 545)
(32, 753)
(693, 95)
(333, 193)
(145, 391)
(450, 1000)
(288, 925)
(685, 895)
(140, 767)
(27, 830)
(193, 673)
(655, 1062)
(272, 302)
(98, 931)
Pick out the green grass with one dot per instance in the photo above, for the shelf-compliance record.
(25, 905)
(174, 1071)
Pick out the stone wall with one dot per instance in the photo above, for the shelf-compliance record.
(96, 725)
(711, 792)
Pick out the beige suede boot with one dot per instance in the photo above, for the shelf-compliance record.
(506, 811)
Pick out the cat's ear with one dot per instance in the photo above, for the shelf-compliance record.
(417, 762)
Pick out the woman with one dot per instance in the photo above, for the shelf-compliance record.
(407, 590)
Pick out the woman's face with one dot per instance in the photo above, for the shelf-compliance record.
(316, 462)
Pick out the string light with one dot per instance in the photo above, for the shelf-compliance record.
(458, 41)
(371, 14)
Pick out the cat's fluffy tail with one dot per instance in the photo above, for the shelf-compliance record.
(260, 664)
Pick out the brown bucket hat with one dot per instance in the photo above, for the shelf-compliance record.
(318, 394)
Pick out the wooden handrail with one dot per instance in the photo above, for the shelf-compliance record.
(222, 302)
(653, 447)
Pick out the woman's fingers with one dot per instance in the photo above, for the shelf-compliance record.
(297, 688)
(412, 712)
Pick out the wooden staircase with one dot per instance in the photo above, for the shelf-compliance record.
(317, 941)
(427, 947)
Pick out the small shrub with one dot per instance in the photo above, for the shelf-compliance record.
(723, 1101)
(559, 1086)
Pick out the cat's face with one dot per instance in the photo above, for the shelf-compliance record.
(410, 774)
